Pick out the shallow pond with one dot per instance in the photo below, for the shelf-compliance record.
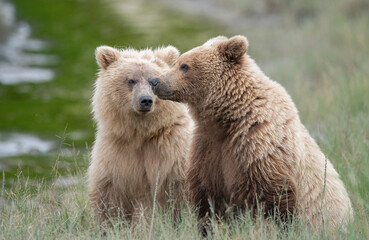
(22, 60)
(20, 57)
(12, 144)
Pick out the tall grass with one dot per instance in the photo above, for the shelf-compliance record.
(49, 211)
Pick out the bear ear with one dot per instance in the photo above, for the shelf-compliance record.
(215, 41)
(234, 48)
(167, 54)
(105, 56)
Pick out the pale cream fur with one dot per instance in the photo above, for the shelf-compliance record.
(135, 154)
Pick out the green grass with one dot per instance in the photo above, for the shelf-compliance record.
(47, 211)
(316, 49)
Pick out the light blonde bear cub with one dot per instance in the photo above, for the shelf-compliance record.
(142, 142)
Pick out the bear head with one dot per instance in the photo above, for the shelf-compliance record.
(198, 72)
(122, 88)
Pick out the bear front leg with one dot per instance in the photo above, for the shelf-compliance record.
(98, 203)
(176, 199)
(101, 206)
(105, 207)
(201, 200)
(198, 197)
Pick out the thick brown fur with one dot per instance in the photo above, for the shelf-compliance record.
(250, 148)
(136, 153)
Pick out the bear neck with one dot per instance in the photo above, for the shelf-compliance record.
(229, 103)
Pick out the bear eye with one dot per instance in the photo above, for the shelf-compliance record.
(184, 68)
(132, 82)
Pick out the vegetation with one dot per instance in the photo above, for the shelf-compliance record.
(316, 49)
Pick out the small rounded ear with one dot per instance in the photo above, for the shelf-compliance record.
(105, 56)
(167, 54)
(215, 41)
(234, 48)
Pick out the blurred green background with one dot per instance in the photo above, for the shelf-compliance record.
(58, 111)
(318, 50)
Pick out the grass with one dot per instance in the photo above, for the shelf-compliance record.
(46, 211)
(316, 49)
(50, 211)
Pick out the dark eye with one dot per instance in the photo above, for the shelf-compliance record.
(132, 82)
(184, 68)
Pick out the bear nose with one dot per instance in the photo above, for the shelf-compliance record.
(146, 102)
(154, 81)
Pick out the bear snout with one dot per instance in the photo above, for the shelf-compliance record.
(146, 103)
(162, 89)
(154, 82)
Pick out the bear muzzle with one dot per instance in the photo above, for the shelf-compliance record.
(154, 82)
(161, 89)
(146, 103)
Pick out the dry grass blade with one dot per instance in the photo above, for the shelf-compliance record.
(153, 206)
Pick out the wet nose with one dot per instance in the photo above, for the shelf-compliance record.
(146, 102)
(154, 81)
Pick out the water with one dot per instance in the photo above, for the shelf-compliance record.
(17, 63)
(12, 144)
(21, 62)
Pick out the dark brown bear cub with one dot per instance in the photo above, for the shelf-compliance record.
(250, 148)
